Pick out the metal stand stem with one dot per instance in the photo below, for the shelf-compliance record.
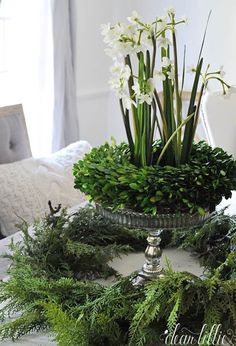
(152, 268)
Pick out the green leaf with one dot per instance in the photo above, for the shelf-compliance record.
(201, 211)
(134, 186)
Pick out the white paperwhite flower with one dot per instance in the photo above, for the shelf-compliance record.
(123, 29)
(184, 19)
(191, 69)
(110, 52)
(134, 18)
(166, 62)
(229, 91)
(121, 70)
(120, 75)
(127, 102)
(171, 74)
(123, 48)
(119, 29)
(115, 85)
(222, 72)
(130, 30)
(136, 89)
(145, 42)
(159, 75)
(111, 36)
(123, 40)
(105, 28)
(145, 98)
(163, 42)
(161, 24)
(171, 11)
(119, 88)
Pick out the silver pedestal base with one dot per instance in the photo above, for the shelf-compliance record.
(152, 267)
(155, 225)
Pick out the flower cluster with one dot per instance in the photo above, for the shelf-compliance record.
(145, 57)
(133, 38)
(128, 39)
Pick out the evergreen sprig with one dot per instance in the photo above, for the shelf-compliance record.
(74, 246)
(44, 287)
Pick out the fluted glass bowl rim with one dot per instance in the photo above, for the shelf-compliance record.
(133, 219)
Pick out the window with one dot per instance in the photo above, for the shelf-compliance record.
(26, 66)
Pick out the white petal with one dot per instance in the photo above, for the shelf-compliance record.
(222, 72)
(191, 69)
(166, 62)
(134, 17)
(105, 28)
(158, 74)
(163, 42)
(136, 89)
(184, 19)
(171, 74)
(171, 10)
(161, 24)
(127, 102)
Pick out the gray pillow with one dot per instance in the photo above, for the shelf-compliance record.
(14, 142)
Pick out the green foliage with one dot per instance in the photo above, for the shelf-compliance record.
(213, 243)
(27, 322)
(69, 332)
(85, 313)
(107, 176)
(77, 246)
(141, 316)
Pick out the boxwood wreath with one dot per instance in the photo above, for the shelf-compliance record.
(52, 284)
(109, 178)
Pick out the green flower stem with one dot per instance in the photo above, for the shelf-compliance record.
(125, 116)
(158, 101)
(130, 84)
(144, 137)
(153, 54)
(170, 119)
(177, 99)
(188, 133)
(148, 67)
(169, 111)
(149, 137)
(188, 129)
(156, 120)
(172, 137)
(220, 80)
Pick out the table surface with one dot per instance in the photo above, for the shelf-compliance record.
(180, 260)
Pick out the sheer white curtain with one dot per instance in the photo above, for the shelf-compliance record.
(65, 129)
(40, 71)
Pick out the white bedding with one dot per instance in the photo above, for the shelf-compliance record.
(28, 185)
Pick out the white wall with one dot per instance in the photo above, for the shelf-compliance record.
(98, 109)
(91, 65)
